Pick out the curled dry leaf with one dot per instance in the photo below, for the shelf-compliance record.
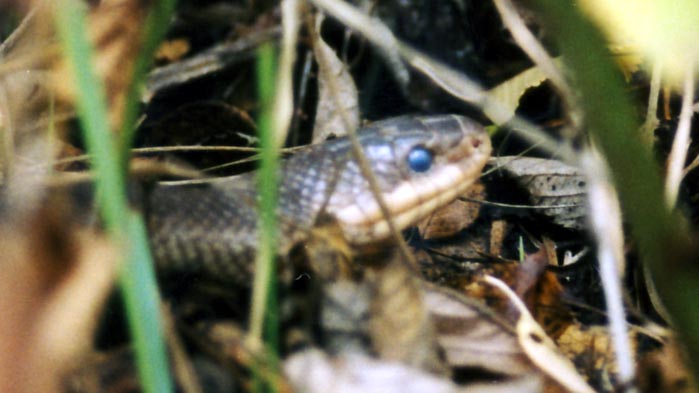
(556, 190)
(338, 99)
(539, 347)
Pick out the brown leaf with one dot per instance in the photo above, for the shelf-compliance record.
(338, 99)
(542, 293)
(540, 348)
(557, 190)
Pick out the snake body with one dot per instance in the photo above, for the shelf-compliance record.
(421, 163)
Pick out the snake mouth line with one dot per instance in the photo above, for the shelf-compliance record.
(417, 198)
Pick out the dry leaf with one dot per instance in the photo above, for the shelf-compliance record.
(556, 190)
(509, 93)
(540, 348)
(338, 99)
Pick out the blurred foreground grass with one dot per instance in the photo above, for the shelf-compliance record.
(137, 277)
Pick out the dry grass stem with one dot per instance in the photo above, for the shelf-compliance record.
(651, 122)
(606, 228)
(678, 154)
(284, 95)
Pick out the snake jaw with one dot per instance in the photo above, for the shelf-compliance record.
(418, 197)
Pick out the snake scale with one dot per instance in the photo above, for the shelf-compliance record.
(421, 164)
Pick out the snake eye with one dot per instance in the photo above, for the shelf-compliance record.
(420, 159)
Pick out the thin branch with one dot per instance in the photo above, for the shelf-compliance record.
(606, 228)
(678, 154)
(652, 114)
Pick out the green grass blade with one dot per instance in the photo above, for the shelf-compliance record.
(662, 239)
(142, 300)
(155, 27)
(137, 279)
(263, 314)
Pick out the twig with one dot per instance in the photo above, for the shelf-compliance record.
(691, 166)
(181, 363)
(284, 100)
(301, 98)
(212, 60)
(652, 115)
(678, 154)
(606, 228)
(538, 346)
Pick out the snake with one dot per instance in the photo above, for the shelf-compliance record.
(421, 163)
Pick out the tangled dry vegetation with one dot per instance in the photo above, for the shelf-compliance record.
(570, 265)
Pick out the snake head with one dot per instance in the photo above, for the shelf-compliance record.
(420, 164)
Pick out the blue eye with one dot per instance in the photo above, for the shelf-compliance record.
(420, 159)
